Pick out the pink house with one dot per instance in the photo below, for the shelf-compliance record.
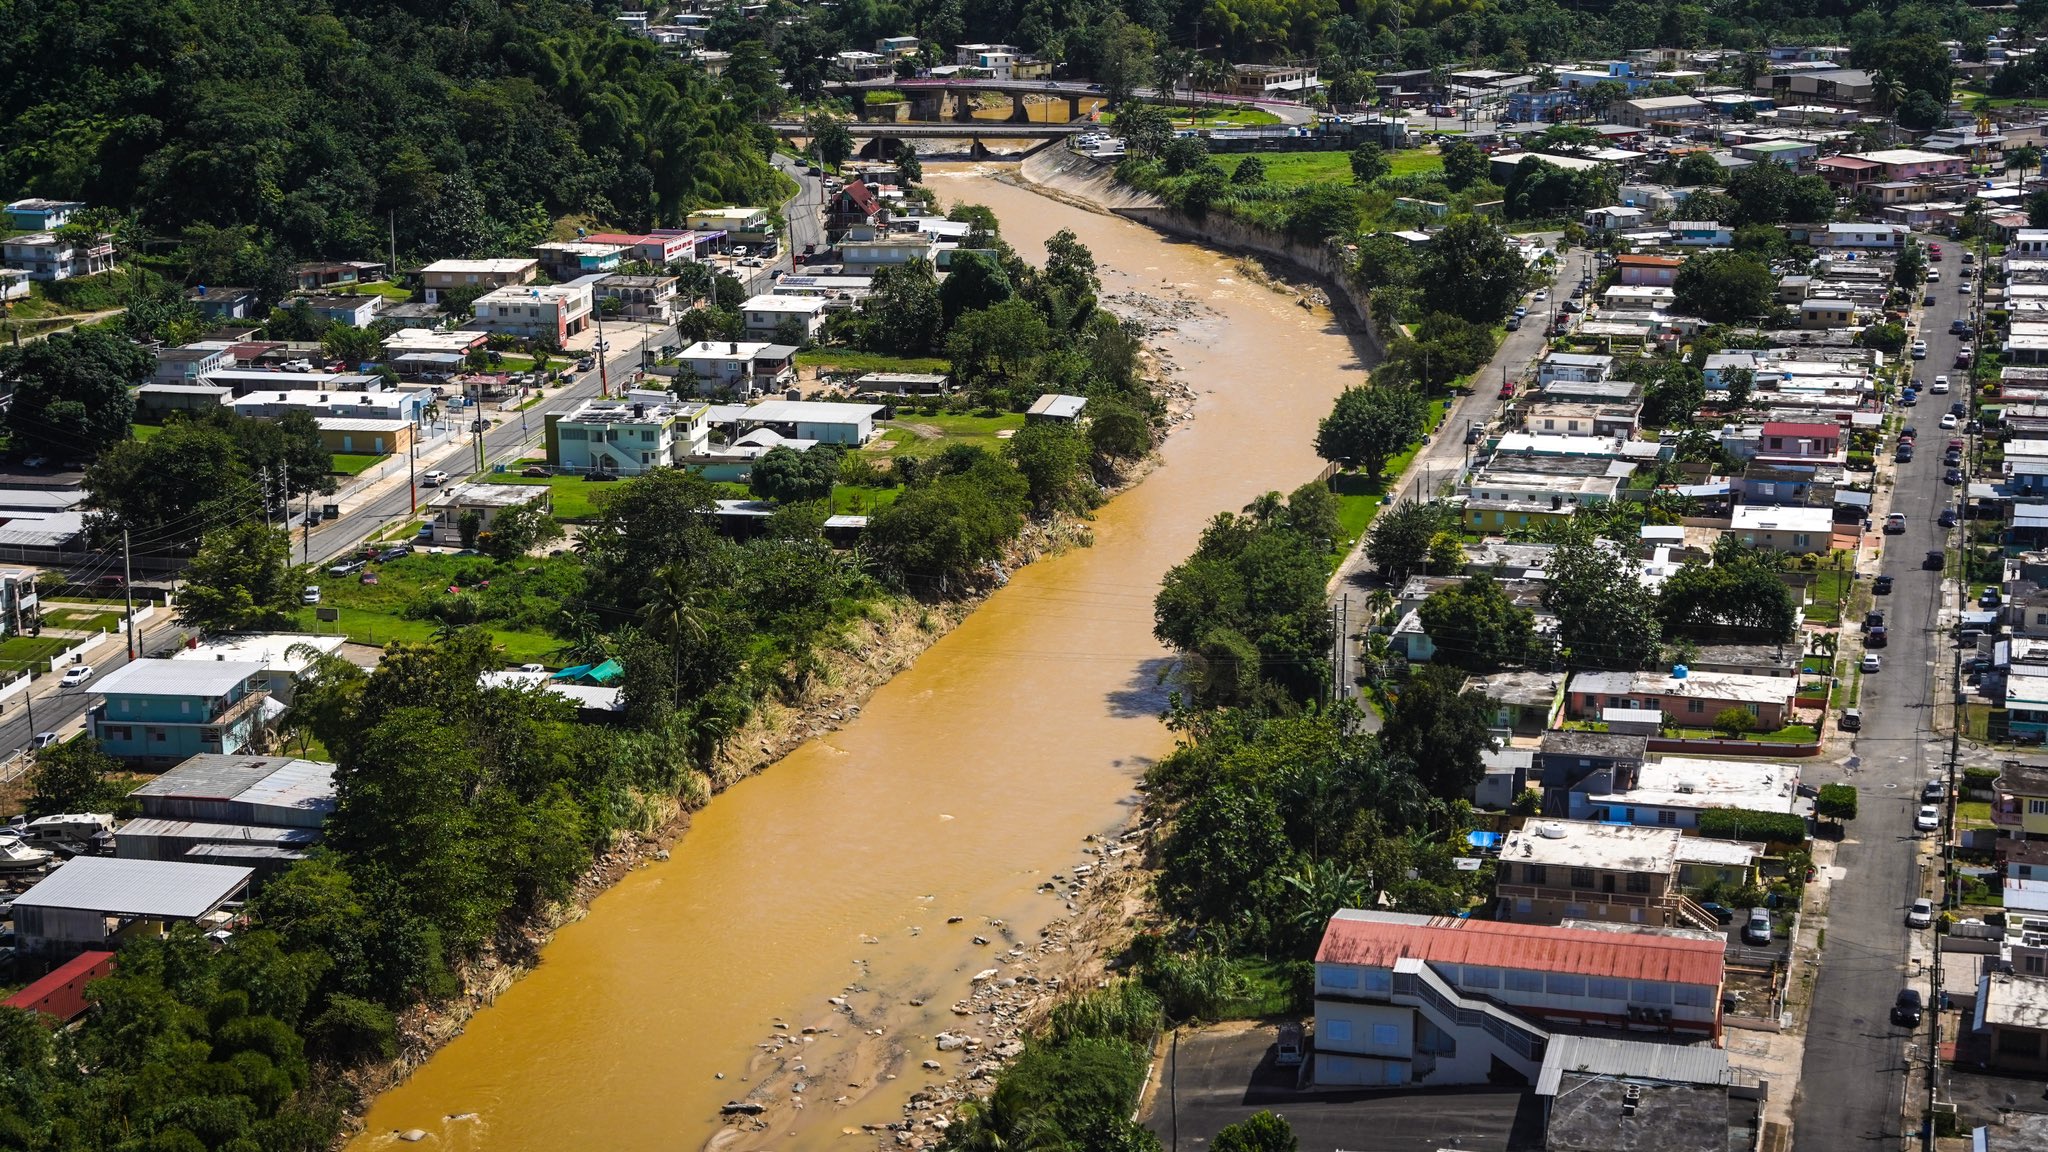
(1649, 271)
(1783, 440)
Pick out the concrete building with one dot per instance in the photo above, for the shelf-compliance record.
(47, 257)
(189, 365)
(627, 438)
(1673, 791)
(2012, 1014)
(569, 259)
(1274, 81)
(1556, 870)
(358, 311)
(1690, 700)
(651, 298)
(1782, 528)
(1433, 1000)
(740, 225)
(1651, 110)
(766, 314)
(1574, 367)
(488, 501)
(282, 656)
(742, 369)
(162, 712)
(554, 311)
(39, 215)
(445, 275)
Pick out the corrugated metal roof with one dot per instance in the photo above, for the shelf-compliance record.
(177, 677)
(212, 777)
(206, 830)
(1632, 1059)
(136, 887)
(1377, 939)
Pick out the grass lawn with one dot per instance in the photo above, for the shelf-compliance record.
(1973, 813)
(1227, 118)
(353, 463)
(1294, 169)
(1790, 734)
(850, 500)
(382, 288)
(849, 360)
(917, 435)
(370, 613)
(1829, 587)
(19, 652)
(144, 431)
(1262, 988)
(574, 497)
(81, 617)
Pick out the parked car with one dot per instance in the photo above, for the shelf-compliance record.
(1963, 289)
(1921, 914)
(1878, 638)
(1988, 599)
(1948, 518)
(1940, 386)
(1934, 561)
(434, 479)
(1953, 476)
(1919, 349)
(1903, 456)
(45, 739)
(310, 594)
(1720, 912)
(1958, 409)
(1872, 663)
(1514, 324)
(1882, 586)
(1928, 819)
(536, 470)
(1907, 1009)
(346, 568)
(1934, 791)
(605, 477)
(395, 552)
(1852, 721)
(1873, 620)
(1934, 274)
(1287, 1051)
(75, 675)
(1895, 523)
(1953, 457)
(1757, 929)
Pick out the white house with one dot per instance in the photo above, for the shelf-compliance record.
(742, 368)
(627, 438)
(1576, 367)
(1861, 235)
(1437, 1000)
(552, 310)
(1672, 792)
(46, 256)
(359, 311)
(765, 315)
(848, 424)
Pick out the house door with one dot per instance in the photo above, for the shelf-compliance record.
(348, 444)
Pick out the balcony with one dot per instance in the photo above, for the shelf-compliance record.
(2008, 811)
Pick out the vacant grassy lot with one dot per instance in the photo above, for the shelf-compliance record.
(574, 497)
(20, 652)
(82, 617)
(1294, 169)
(918, 435)
(353, 463)
(850, 360)
(374, 613)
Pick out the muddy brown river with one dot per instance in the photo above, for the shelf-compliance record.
(964, 784)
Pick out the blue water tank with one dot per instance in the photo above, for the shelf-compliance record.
(1678, 671)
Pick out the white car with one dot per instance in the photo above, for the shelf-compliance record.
(1948, 420)
(434, 479)
(1928, 820)
(1921, 915)
(1872, 662)
(1934, 275)
(311, 594)
(76, 675)
(1541, 294)
(1919, 349)
(1940, 386)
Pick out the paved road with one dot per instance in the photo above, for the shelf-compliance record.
(1443, 458)
(804, 212)
(1856, 1063)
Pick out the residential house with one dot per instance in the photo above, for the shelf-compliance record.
(161, 712)
(14, 285)
(1672, 792)
(39, 215)
(1587, 75)
(626, 438)
(660, 247)
(1691, 700)
(189, 365)
(1276, 81)
(359, 311)
(1054, 408)
(569, 259)
(2019, 808)
(1793, 442)
(553, 311)
(768, 315)
(154, 402)
(1505, 772)
(1569, 418)
(1556, 870)
(1652, 110)
(1810, 84)
(1790, 153)
(1648, 271)
(1702, 233)
(897, 47)
(854, 204)
(851, 425)
(1569, 759)
(862, 257)
(1913, 164)
(48, 257)
(1521, 702)
(315, 275)
(2012, 1014)
(864, 65)
(649, 298)
(448, 275)
(1861, 235)
(741, 369)
(254, 811)
(1826, 312)
(283, 656)
(1514, 493)
(90, 901)
(1783, 528)
(1574, 367)
(1639, 299)
(1527, 106)
(752, 226)
(1604, 1094)
(445, 513)
(372, 423)
(1614, 218)
(216, 303)
(1437, 1000)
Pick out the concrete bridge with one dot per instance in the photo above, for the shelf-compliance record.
(884, 136)
(941, 98)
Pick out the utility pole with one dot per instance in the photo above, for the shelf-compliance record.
(128, 590)
(412, 456)
(305, 531)
(265, 474)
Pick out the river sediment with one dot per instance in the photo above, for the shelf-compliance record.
(803, 947)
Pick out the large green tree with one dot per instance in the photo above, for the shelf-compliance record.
(240, 581)
(1474, 625)
(1471, 270)
(71, 391)
(1606, 617)
(1369, 425)
(1725, 286)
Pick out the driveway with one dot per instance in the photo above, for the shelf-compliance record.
(1221, 1075)
(1856, 1066)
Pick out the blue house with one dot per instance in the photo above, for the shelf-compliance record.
(1526, 106)
(166, 711)
(36, 215)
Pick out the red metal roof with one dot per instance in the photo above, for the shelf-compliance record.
(62, 992)
(1622, 955)
(1817, 431)
(1651, 261)
(1856, 163)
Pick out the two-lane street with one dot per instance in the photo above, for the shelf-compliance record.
(1857, 1062)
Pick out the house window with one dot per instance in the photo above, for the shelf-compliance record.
(1605, 988)
(1378, 980)
(1534, 873)
(1385, 1035)
(185, 706)
(2036, 965)
(1523, 981)
(119, 732)
(1695, 706)
(1564, 984)
(1582, 877)
(1667, 817)
(1638, 882)
(1338, 1031)
(1480, 976)
(156, 734)
(1649, 992)
(1335, 976)
(2037, 807)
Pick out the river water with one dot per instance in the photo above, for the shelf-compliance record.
(966, 782)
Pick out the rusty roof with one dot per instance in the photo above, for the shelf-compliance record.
(1378, 939)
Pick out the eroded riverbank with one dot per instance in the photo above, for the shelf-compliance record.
(961, 788)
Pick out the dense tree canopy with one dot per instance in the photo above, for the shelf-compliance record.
(71, 391)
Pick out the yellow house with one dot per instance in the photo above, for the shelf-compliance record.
(2021, 807)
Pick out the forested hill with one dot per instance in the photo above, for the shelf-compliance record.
(475, 121)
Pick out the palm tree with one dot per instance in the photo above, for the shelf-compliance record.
(1316, 890)
(672, 614)
(1380, 602)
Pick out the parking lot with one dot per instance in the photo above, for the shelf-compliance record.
(1219, 1076)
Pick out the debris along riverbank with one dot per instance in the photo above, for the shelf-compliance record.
(997, 1006)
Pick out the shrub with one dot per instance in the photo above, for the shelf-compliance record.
(1749, 824)
(1836, 802)
(1734, 721)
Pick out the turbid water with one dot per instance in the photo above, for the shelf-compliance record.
(965, 783)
